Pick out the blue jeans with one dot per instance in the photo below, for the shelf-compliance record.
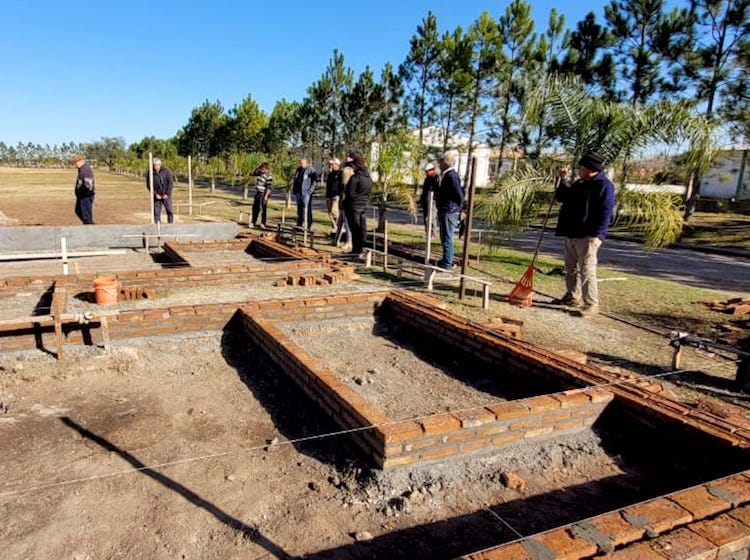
(448, 221)
(85, 209)
(303, 201)
(167, 204)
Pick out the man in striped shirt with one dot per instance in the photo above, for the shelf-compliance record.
(263, 187)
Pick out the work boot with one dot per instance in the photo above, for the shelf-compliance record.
(568, 300)
(589, 311)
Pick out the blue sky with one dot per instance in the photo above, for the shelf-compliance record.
(77, 71)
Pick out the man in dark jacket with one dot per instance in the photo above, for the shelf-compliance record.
(84, 190)
(303, 186)
(163, 183)
(430, 185)
(356, 199)
(448, 198)
(584, 218)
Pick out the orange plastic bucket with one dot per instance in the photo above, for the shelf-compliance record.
(105, 290)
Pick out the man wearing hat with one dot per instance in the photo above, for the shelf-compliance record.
(585, 214)
(430, 185)
(84, 190)
(334, 188)
(163, 183)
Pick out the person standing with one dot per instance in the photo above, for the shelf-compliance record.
(342, 228)
(585, 214)
(163, 182)
(430, 185)
(334, 189)
(263, 188)
(448, 199)
(84, 190)
(303, 186)
(356, 199)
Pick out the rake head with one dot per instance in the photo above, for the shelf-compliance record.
(522, 293)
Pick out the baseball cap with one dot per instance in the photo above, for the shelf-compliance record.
(429, 167)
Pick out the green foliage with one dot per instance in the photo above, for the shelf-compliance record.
(654, 215)
(511, 204)
(283, 130)
(245, 127)
(199, 136)
(396, 167)
(109, 151)
(420, 73)
(645, 36)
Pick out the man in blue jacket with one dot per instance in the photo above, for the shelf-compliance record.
(585, 214)
(449, 197)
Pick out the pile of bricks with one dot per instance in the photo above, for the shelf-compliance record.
(335, 275)
(738, 307)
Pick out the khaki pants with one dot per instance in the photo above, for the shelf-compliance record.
(332, 204)
(580, 269)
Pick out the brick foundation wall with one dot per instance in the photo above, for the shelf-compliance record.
(707, 522)
(639, 397)
(392, 443)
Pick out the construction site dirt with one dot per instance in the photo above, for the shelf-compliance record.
(195, 445)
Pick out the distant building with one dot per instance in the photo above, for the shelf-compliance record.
(729, 176)
(432, 138)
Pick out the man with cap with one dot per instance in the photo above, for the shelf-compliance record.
(334, 188)
(84, 190)
(163, 183)
(585, 214)
(430, 185)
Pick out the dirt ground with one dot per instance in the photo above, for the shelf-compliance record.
(195, 447)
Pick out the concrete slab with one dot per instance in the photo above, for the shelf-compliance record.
(47, 238)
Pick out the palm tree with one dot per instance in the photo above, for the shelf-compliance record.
(584, 123)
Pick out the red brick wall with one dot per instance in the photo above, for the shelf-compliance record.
(389, 443)
(709, 521)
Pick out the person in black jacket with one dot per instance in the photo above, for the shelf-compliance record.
(356, 199)
(584, 218)
(84, 190)
(163, 183)
(430, 185)
(448, 199)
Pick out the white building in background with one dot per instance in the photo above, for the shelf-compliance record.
(729, 176)
(432, 138)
